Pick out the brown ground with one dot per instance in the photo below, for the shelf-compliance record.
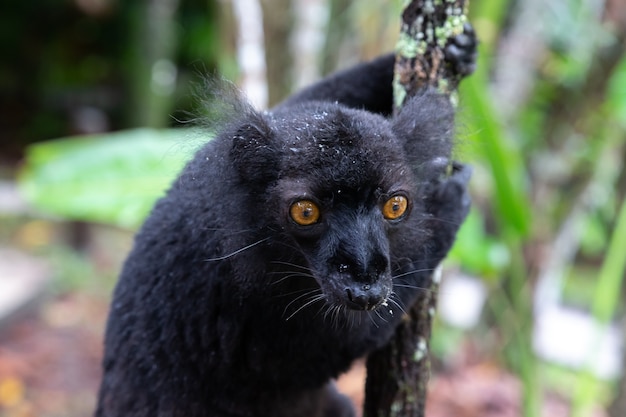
(49, 367)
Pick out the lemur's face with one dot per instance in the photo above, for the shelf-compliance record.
(347, 238)
(347, 199)
(344, 191)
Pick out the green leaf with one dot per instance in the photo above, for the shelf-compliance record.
(111, 178)
(616, 92)
(503, 159)
(478, 253)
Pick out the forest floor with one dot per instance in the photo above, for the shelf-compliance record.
(50, 367)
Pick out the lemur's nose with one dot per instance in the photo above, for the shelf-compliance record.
(365, 296)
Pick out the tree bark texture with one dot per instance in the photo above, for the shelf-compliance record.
(397, 375)
(251, 51)
(428, 27)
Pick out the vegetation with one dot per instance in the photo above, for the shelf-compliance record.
(542, 122)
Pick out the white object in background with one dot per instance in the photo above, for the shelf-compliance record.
(22, 279)
(572, 338)
(461, 300)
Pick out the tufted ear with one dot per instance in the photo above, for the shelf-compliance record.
(253, 152)
(426, 126)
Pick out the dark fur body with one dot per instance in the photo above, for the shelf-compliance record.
(226, 307)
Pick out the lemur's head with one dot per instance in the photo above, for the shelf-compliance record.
(345, 189)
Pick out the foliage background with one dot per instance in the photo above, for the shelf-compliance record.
(542, 121)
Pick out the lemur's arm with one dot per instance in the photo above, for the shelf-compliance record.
(366, 86)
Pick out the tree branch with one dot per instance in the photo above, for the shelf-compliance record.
(424, 51)
(427, 55)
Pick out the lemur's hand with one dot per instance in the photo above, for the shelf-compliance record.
(448, 204)
(460, 52)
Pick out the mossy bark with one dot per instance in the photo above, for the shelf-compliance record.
(427, 29)
(397, 375)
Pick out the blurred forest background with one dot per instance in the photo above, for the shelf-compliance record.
(532, 319)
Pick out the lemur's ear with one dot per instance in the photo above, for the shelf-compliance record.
(253, 152)
(426, 125)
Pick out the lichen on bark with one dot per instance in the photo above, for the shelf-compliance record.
(427, 28)
(397, 375)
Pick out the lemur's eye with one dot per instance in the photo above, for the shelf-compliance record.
(395, 207)
(304, 212)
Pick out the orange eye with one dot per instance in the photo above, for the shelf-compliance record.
(395, 207)
(304, 212)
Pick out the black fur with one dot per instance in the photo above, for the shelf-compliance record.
(227, 307)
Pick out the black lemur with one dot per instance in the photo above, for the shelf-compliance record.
(290, 245)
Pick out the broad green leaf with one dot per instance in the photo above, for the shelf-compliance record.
(111, 178)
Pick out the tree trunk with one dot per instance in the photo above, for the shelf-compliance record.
(426, 31)
(397, 375)
(251, 51)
